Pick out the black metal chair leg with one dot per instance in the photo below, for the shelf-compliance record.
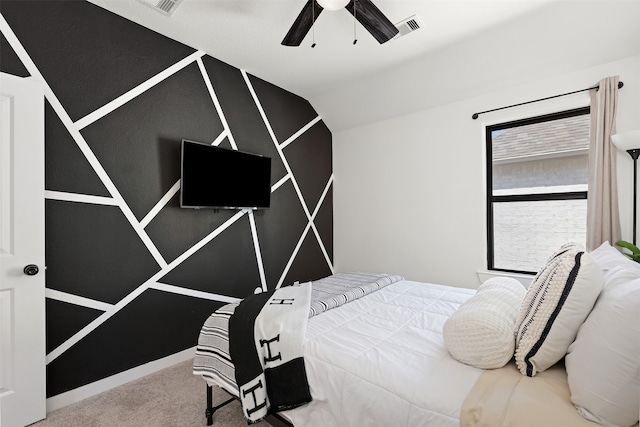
(209, 411)
(210, 408)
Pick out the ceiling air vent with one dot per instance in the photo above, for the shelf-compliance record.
(166, 7)
(409, 25)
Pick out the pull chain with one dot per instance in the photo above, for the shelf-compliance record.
(313, 26)
(355, 40)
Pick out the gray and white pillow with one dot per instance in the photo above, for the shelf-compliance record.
(556, 304)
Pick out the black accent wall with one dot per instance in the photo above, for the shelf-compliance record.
(132, 276)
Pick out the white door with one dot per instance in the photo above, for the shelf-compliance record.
(22, 322)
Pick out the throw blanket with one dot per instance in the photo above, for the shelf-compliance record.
(266, 332)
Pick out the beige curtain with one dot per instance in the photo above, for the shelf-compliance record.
(603, 218)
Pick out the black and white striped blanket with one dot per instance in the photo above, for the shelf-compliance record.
(338, 289)
(213, 359)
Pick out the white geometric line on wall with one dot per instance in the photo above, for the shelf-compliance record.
(214, 98)
(310, 225)
(136, 91)
(256, 246)
(322, 196)
(220, 138)
(80, 141)
(76, 300)
(106, 180)
(277, 185)
(193, 249)
(313, 225)
(161, 204)
(80, 198)
(139, 290)
(322, 248)
(172, 191)
(275, 143)
(192, 293)
(293, 255)
(300, 132)
(75, 338)
(18, 48)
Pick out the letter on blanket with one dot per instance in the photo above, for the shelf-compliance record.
(270, 357)
(282, 301)
(258, 388)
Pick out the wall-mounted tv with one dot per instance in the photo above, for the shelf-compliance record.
(219, 178)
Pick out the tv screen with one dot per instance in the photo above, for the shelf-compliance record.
(214, 177)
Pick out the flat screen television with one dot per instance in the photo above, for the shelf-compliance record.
(220, 178)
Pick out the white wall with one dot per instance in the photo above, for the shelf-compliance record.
(409, 192)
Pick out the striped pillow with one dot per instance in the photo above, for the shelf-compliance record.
(556, 304)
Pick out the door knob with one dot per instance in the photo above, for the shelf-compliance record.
(31, 270)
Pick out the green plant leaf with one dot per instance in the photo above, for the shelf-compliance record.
(633, 248)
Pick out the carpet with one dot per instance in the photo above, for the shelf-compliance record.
(172, 397)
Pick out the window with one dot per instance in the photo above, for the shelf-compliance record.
(536, 188)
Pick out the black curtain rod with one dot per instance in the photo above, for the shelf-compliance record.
(475, 115)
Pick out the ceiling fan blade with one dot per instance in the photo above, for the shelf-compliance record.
(302, 24)
(373, 20)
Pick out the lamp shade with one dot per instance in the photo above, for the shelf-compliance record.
(333, 4)
(626, 140)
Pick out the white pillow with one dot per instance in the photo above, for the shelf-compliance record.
(603, 363)
(621, 274)
(557, 302)
(480, 332)
(609, 257)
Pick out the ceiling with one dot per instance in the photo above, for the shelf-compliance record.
(464, 48)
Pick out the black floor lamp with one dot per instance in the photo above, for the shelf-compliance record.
(630, 142)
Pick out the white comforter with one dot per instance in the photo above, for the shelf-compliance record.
(384, 362)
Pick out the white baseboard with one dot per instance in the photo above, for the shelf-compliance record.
(80, 393)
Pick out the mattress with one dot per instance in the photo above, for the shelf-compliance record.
(381, 361)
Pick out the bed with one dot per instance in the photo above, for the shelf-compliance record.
(381, 358)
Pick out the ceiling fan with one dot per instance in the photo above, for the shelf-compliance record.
(371, 18)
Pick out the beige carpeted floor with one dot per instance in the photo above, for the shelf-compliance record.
(173, 397)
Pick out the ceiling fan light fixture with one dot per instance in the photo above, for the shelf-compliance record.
(363, 11)
(333, 4)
